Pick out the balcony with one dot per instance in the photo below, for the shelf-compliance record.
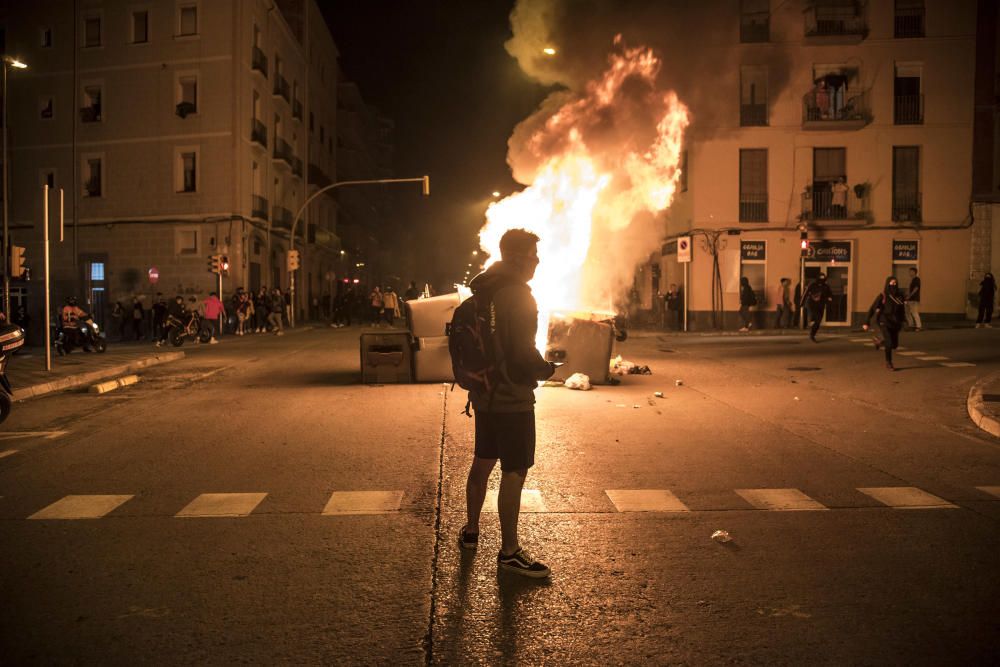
(753, 115)
(258, 207)
(281, 88)
(906, 207)
(908, 110)
(909, 22)
(822, 111)
(755, 27)
(297, 109)
(258, 132)
(91, 114)
(821, 204)
(835, 22)
(258, 61)
(753, 207)
(282, 151)
(281, 217)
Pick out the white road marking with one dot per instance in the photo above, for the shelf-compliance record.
(911, 353)
(933, 358)
(531, 501)
(222, 505)
(779, 499)
(906, 497)
(957, 364)
(992, 490)
(81, 507)
(645, 500)
(16, 435)
(7, 452)
(363, 502)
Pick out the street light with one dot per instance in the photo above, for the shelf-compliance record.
(549, 51)
(495, 194)
(8, 61)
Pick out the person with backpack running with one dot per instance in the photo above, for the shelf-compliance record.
(493, 353)
(747, 299)
(817, 295)
(889, 309)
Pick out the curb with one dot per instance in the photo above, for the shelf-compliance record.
(977, 407)
(69, 381)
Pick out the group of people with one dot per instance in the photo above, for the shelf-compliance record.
(379, 306)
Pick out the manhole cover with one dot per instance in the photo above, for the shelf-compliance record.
(805, 369)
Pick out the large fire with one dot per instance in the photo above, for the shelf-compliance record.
(597, 170)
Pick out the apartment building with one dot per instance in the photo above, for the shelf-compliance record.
(848, 124)
(178, 129)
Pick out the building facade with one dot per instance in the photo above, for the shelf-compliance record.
(843, 123)
(177, 129)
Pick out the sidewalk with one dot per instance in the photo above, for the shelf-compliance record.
(984, 404)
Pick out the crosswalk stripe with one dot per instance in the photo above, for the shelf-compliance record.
(906, 497)
(221, 505)
(911, 353)
(992, 490)
(81, 507)
(861, 340)
(363, 502)
(956, 364)
(9, 452)
(933, 358)
(531, 501)
(780, 499)
(645, 500)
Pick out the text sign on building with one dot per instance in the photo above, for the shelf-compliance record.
(753, 250)
(684, 249)
(828, 251)
(905, 251)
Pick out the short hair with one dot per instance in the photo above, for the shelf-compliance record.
(517, 242)
(913, 268)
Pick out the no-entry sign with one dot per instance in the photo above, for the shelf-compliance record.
(684, 249)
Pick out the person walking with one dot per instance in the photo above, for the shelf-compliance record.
(782, 299)
(375, 306)
(672, 301)
(260, 310)
(411, 292)
(987, 296)
(214, 309)
(243, 311)
(913, 301)
(138, 317)
(118, 319)
(505, 419)
(159, 316)
(889, 310)
(814, 300)
(276, 306)
(747, 300)
(390, 306)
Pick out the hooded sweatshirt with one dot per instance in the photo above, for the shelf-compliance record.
(888, 307)
(521, 366)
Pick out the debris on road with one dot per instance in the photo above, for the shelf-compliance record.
(621, 366)
(578, 381)
(658, 394)
(636, 406)
(678, 383)
(722, 536)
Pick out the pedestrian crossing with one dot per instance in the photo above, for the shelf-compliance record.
(918, 354)
(353, 503)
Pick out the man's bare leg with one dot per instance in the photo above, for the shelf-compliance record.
(509, 506)
(475, 491)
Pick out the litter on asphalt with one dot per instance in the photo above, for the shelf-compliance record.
(722, 536)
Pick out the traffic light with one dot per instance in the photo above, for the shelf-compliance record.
(224, 264)
(16, 261)
(293, 260)
(215, 263)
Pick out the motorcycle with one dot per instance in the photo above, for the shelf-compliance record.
(90, 336)
(11, 338)
(179, 331)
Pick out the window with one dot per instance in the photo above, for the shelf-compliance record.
(91, 31)
(187, 20)
(46, 105)
(908, 106)
(91, 112)
(186, 170)
(753, 95)
(140, 26)
(187, 94)
(186, 241)
(683, 184)
(906, 204)
(753, 185)
(829, 174)
(755, 21)
(97, 271)
(909, 18)
(45, 40)
(93, 175)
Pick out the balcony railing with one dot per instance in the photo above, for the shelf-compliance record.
(835, 21)
(909, 110)
(258, 61)
(185, 109)
(258, 207)
(92, 188)
(906, 207)
(282, 151)
(909, 22)
(91, 114)
(281, 217)
(755, 27)
(282, 88)
(753, 207)
(753, 115)
(823, 111)
(258, 132)
(827, 205)
(296, 109)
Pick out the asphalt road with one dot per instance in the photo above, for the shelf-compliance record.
(769, 438)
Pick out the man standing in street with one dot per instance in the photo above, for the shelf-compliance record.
(913, 301)
(814, 300)
(782, 300)
(505, 418)
(214, 309)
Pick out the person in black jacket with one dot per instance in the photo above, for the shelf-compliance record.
(889, 309)
(747, 299)
(817, 295)
(987, 295)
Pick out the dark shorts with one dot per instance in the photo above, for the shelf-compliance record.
(508, 436)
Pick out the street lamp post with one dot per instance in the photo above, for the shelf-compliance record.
(425, 180)
(8, 61)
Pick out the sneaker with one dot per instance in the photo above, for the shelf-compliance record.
(468, 540)
(889, 366)
(523, 564)
(280, 333)
(744, 329)
(212, 341)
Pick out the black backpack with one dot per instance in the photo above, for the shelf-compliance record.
(473, 347)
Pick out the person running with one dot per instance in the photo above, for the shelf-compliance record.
(505, 419)
(987, 295)
(214, 310)
(913, 301)
(747, 300)
(816, 296)
(889, 309)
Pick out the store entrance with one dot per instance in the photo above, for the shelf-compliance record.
(838, 277)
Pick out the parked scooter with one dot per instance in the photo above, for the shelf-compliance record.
(180, 331)
(90, 336)
(11, 338)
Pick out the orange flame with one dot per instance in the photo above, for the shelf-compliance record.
(599, 170)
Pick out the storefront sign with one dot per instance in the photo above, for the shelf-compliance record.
(684, 249)
(905, 251)
(828, 251)
(753, 250)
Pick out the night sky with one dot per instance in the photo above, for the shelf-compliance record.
(440, 72)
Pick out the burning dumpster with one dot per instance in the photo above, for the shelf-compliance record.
(583, 342)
